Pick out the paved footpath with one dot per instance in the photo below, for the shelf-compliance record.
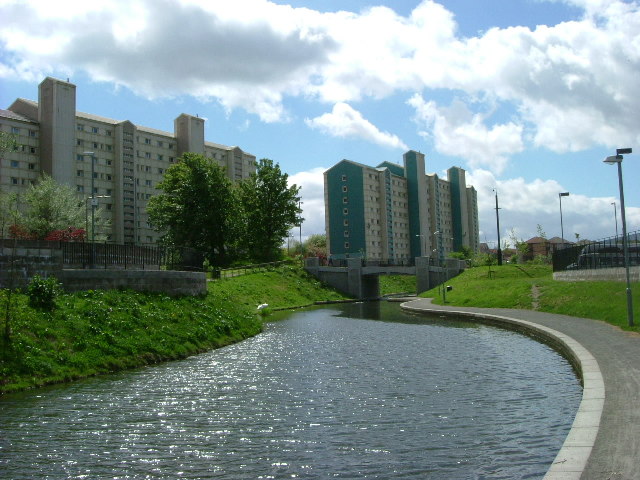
(615, 454)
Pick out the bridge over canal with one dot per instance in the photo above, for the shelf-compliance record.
(361, 279)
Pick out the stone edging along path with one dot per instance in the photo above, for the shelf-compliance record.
(572, 458)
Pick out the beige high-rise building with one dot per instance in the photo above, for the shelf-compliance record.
(117, 162)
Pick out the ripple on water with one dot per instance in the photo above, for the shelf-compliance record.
(325, 393)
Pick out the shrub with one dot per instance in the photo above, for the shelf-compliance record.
(42, 292)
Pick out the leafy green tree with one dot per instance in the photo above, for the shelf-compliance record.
(316, 245)
(50, 206)
(198, 208)
(7, 142)
(271, 209)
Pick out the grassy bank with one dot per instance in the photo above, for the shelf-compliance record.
(95, 332)
(533, 287)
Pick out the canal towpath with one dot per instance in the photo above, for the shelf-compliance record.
(615, 454)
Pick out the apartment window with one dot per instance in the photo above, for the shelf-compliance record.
(147, 155)
(14, 181)
(108, 132)
(108, 191)
(32, 150)
(80, 127)
(15, 163)
(95, 174)
(95, 145)
(94, 129)
(109, 206)
(108, 162)
(160, 157)
(147, 183)
(79, 142)
(346, 245)
(79, 157)
(344, 189)
(147, 168)
(147, 141)
(32, 133)
(346, 233)
(345, 211)
(345, 200)
(160, 171)
(32, 166)
(80, 188)
(344, 178)
(171, 160)
(345, 222)
(160, 143)
(171, 145)
(15, 130)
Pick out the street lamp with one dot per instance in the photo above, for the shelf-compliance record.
(615, 214)
(93, 195)
(617, 159)
(560, 195)
(499, 253)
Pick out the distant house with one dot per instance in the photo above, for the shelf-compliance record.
(542, 246)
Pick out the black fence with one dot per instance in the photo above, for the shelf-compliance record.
(389, 262)
(244, 269)
(605, 253)
(108, 255)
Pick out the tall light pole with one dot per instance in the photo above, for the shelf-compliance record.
(617, 159)
(498, 228)
(93, 195)
(560, 195)
(423, 244)
(615, 214)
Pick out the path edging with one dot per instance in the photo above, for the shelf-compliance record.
(572, 458)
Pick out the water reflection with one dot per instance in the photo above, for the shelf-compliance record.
(323, 393)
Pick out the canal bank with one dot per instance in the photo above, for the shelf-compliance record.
(604, 442)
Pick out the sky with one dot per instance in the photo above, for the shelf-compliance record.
(528, 96)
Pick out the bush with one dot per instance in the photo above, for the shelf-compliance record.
(42, 292)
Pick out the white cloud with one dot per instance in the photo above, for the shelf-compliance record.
(525, 205)
(572, 85)
(344, 121)
(456, 131)
(312, 193)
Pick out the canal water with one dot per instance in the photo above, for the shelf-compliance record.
(359, 391)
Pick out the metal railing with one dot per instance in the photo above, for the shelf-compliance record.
(244, 269)
(374, 262)
(604, 253)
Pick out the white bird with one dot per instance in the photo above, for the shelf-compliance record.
(264, 305)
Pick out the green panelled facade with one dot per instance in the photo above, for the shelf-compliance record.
(456, 208)
(412, 176)
(345, 202)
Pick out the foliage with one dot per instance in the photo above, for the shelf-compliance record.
(8, 211)
(42, 292)
(316, 245)
(67, 235)
(50, 206)
(197, 208)
(271, 209)
(390, 284)
(8, 142)
(513, 286)
(94, 332)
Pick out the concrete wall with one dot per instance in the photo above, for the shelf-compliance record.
(601, 274)
(160, 281)
(17, 270)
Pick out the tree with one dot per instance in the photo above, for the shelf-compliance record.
(271, 209)
(198, 208)
(316, 245)
(50, 206)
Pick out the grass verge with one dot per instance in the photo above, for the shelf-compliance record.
(533, 287)
(96, 331)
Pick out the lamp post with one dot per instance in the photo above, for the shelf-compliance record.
(499, 253)
(560, 195)
(615, 214)
(617, 159)
(93, 195)
(423, 244)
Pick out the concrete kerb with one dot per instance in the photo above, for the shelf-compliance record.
(572, 458)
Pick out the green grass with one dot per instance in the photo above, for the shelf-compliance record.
(390, 284)
(95, 332)
(513, 286)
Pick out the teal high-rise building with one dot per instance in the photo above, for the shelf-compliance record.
(393, 212)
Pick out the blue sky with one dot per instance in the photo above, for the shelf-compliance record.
(528, 96)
